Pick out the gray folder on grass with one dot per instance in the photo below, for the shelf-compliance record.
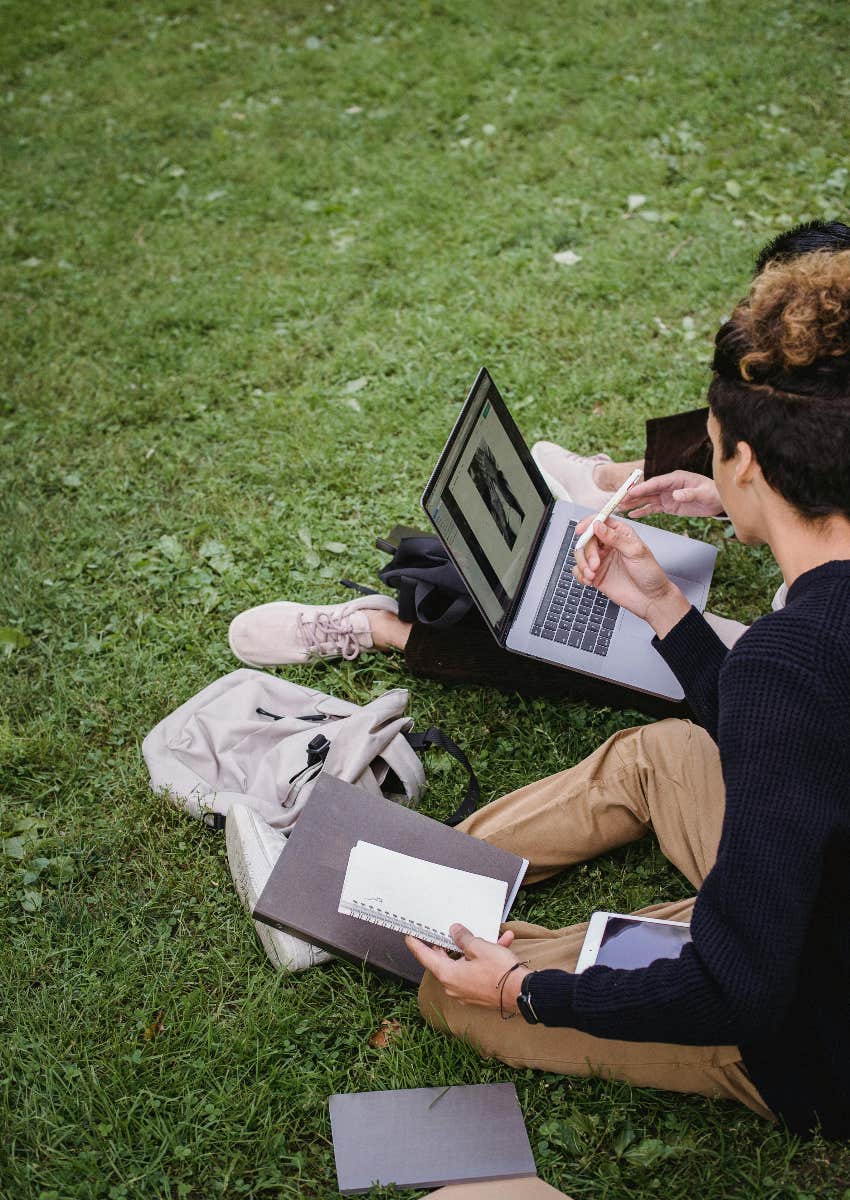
(424, 1137)
(303, 890)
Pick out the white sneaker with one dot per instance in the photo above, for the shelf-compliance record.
(253, 848)
(285, 632)
(569, 475)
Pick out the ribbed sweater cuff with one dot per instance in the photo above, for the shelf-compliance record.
(689, 646)
(552, 996)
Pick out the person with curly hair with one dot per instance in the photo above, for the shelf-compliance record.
(753, 807)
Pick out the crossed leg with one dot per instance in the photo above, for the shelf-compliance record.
(664, 777)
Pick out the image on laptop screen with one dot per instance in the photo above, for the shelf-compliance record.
(486, 504)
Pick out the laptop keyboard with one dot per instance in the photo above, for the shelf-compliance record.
(569, 612)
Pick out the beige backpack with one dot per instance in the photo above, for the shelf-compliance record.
(255, 738)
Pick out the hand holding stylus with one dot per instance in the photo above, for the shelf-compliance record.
(623, 568)
(609, 507)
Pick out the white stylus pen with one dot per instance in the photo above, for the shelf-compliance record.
(608, 508)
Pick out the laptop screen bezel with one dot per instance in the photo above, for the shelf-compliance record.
(484, 390)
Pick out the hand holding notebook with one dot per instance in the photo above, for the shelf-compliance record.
(420, 898)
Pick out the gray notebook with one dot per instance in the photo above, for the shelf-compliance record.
(425, 1137)
(303, 891)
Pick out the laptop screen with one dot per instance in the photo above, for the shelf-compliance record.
(487, 500)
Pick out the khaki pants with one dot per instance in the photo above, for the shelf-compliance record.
(664, 777)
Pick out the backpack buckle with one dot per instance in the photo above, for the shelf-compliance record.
(317, 749)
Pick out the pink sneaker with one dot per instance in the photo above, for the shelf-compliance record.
(284, 632)
(570, 476)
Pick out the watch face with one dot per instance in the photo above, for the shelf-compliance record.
(525, 1009)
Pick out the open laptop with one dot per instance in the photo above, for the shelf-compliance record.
(512, 543)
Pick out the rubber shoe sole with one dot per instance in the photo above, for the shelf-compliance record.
(253, 849)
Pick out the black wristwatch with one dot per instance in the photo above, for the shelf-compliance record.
(524, 1004)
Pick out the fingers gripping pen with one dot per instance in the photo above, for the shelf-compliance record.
(606, 510)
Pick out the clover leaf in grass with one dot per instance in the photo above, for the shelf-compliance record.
(210, 598)
(217, 556)
(311, 558)
(28, 826)
(23, 831)
(11, 639)
(170, 548)
(623, 1137)
(650, 1151)
(31, 901)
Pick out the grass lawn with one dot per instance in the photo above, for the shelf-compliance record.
(252, 255)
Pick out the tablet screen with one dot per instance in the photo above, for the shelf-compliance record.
(629, 942)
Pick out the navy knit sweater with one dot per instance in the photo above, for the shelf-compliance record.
(769, 966)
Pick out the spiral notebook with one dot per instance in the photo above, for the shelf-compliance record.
(417, 897)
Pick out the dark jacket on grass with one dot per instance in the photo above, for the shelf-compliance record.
(769, 966)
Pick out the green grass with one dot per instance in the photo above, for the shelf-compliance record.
(216, 222)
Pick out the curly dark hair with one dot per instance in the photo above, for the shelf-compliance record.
(782, 380)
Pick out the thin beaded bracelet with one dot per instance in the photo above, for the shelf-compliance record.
(501, 986)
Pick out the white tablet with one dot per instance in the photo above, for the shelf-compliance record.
(615, 940)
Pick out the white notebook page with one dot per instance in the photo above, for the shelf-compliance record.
(418, 897)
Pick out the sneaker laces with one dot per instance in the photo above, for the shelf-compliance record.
(329, 628)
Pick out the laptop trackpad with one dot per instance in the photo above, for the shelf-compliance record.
(634, 626)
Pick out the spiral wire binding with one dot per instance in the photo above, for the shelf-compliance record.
(379, 916)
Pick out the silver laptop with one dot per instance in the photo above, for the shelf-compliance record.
(512, 543)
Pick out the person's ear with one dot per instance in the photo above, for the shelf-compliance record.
(746, 464)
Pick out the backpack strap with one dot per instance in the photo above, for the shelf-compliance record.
(359, 587)
(436, 737)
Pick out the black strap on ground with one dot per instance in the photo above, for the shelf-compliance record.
(436, 737)
(359, 587)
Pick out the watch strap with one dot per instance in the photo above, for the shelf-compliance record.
(525, 1005)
